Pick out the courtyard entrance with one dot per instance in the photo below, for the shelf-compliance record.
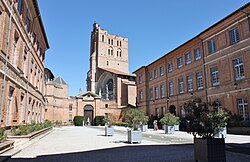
(88, 114)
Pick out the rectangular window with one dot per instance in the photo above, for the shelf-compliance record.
(182, 111)
(171, 88)
(162, 91)
(27, 28)
(243, 108)
(181, 85)
(140, 93)
(170, 67)
(150, 75)
(70, 107)
(70, 117)
(211, 46)
(215, 76)
(199, 80)
(234, 36)
(156, 93)
(188, 58)
(157, 112)
(161, 70)
(151, 93)
(155, 73)
(179, 62)
(238, 69)
(140, 79)
(190, 83)
(197, 53)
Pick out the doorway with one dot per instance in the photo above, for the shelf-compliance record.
(88, 114)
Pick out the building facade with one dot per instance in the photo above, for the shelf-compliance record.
(110, 87)
(214, 65)
(23, 43)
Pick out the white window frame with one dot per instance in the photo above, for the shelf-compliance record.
(199, 80)
(140, 79)
(234, 36)
(156, 93)
(211, 46)
(197, 53)
(171, 88)
(190, 83)
(238, 68)
(181, 85)
(161, 70)
(179, 62)
(170, 67)
(188, 58)
(155, 73)
(243, 108)
(162, 89)
(215, 76)
(150, 75)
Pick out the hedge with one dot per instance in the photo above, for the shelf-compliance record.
(99, 120)
(78, 120)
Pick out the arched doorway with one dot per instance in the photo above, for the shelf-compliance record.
(88, 114)
(172, 109)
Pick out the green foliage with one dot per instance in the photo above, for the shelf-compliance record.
(29, 128)
(2, 133)
(170, 119)
(78, 120)
(110, 120)
(121, 124)
(202, 122)
(135, 117)
(99, 120)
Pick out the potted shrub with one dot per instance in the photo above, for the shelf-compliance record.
(144, 124)
(109, 122)
(221, 117)
(203, 126)
(134, 118)
(169, 121)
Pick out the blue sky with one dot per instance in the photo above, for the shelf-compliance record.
(153, 27)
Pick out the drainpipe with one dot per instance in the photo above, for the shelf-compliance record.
(6, 59)
(204, 69)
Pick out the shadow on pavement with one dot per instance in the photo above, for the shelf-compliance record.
(243, 148)
(145, 153)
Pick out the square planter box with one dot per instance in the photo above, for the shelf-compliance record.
(144, 128)
(207, 150)
(134, 136)
(222, 133)
(176, 127)
(169, 129)
(109, 131)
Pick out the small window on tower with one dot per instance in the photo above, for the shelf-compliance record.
(107, 63)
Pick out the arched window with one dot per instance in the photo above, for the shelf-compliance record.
(102, 38)
(119, 52)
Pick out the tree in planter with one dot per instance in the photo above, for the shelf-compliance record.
(169, 120)
(134, 118)
(109, 122)
(203, 126)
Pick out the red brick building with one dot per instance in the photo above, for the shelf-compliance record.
(214, 65)
(23, 43)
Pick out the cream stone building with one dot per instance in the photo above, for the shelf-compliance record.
(111, 88)
(23, 43)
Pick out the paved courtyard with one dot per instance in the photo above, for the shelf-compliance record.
(89, 144)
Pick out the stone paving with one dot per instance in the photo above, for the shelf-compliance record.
(90, 144)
